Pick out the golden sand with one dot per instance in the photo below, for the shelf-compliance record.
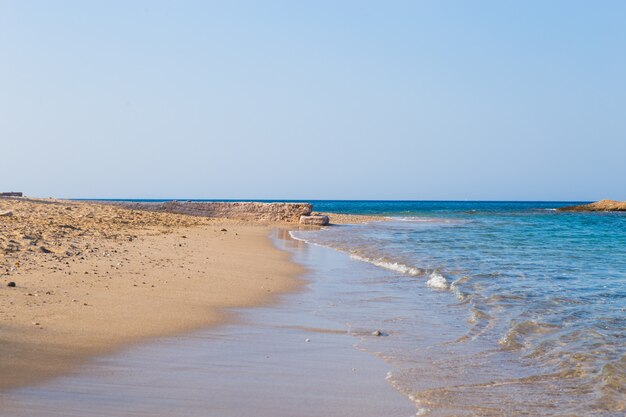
(93, 278)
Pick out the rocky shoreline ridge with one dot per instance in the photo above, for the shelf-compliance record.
(264, 212)
(66, 229)
(247, 211)
(602, 205)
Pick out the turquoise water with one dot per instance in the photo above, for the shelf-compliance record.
(530, 304)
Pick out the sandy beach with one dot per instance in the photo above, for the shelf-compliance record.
(293, 357)
(90, 279)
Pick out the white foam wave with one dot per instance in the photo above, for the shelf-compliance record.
(414, 219)
(410, 219)
(392, 266)
(291, 234)
(420, 409)
(437, 281)
(301, 239)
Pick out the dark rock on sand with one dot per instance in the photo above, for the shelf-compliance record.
(11, 284)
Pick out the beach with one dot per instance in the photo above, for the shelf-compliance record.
(125, 312)
(435, 308)
(306, 209)
(292, 357)
(91, 279)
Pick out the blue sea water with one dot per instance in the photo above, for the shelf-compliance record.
(532, 303)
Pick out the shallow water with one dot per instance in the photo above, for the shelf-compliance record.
(534, 317)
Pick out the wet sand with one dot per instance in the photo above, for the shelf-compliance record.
(288, 359)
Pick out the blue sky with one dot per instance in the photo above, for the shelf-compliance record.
(314, 100)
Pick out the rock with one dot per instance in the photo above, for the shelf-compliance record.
(11, 284)
(379, 333)
(602, 205)
(314, 220)
(243, 210)
(223, 230)
(307, 340)
(7, 213)
(44, 249)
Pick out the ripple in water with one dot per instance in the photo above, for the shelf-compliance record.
(528, 312)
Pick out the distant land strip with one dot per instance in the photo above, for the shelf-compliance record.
(602, 205)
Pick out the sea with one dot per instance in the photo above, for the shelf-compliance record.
(483, 308)
(527, 311)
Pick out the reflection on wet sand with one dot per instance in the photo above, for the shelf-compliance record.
(285, 360)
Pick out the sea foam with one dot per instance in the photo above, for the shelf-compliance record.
(393, 266)
(437, 281)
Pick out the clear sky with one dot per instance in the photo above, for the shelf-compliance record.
(314, 99)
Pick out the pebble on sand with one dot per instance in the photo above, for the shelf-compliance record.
(11, 284)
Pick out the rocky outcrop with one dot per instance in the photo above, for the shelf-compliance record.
(270, 212)
(317, 220)
(602, 205)
(11, 194)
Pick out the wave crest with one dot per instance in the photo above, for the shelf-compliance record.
(393, 266)
(437, 281)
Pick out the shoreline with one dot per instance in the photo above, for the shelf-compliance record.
(287, 358)
(98, 280)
